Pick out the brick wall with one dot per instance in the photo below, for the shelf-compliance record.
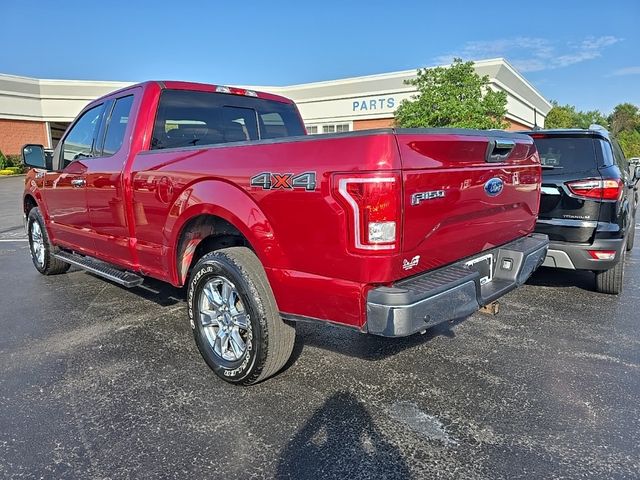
(368, 124)
(15, 133)
(388, 122)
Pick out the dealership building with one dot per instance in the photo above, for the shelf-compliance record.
(36, 110)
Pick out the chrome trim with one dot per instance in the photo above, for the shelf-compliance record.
(568, 222)
(550, 191)
(503, 143)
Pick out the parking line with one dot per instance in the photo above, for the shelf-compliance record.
(14, 239)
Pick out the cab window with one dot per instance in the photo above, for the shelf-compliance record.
(117, 125)
(80, 140)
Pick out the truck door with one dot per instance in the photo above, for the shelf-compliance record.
(106, 192)
(64, 190)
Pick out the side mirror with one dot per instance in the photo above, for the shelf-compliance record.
(34, 156)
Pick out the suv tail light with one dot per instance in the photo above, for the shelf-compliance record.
(372, 203)
(602, 254)
(598, 189)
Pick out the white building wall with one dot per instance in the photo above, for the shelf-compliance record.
(346, 100)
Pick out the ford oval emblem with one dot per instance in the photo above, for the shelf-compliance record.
(493, 187)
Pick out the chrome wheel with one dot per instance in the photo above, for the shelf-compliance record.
(37, 243)
(224, 319)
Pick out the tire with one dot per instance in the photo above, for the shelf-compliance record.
(40, 246)
(631, 236)
(611, 281)
(219, 327)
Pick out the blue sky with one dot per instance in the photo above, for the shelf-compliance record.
(585, 53)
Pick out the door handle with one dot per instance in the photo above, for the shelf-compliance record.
(78, 182)
(499, 150)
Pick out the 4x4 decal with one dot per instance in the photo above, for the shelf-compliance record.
(285, 181)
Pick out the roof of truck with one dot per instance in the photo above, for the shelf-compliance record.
(206, 87)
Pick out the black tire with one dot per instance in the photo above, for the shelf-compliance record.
(44, 262)
(631, 236)
(611, 281)
(269, 340)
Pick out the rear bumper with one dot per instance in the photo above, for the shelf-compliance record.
(451, 292)
(575, 256)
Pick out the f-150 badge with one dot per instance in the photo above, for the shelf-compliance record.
(285, 181)
(416, 198)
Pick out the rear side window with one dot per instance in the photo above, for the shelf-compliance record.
(566, 155)
(118, 121)
(189, 118)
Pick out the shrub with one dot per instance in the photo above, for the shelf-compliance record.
(6, 172)
(3, 160)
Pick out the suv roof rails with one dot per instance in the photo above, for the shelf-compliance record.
(597, 127)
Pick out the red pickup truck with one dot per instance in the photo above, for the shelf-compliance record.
(386, 231)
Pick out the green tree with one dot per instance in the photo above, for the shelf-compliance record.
(630, 143)
(566, 116)
(560, 116)
(454, 96)
(625, 117)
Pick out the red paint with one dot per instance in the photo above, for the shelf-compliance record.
(137, 202)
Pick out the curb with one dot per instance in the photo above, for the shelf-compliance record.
(13, 176)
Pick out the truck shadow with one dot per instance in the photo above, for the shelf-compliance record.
(340, 440)
(555, 277)
(346, 341)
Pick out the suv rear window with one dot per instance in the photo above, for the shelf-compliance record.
(191, 118)
(566, 154)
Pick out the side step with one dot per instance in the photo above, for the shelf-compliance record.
(126, 279)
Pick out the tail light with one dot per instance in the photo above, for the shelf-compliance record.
(597, 189)
(372, 203)
(602, 254)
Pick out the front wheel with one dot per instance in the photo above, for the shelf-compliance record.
(611, 281)
(40, 246)
(234, 317)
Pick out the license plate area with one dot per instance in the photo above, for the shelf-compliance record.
(484, 266)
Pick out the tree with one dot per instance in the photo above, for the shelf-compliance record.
(454, 96)
(625, 117)
(566, 116)
(630, 143)
(560, 116)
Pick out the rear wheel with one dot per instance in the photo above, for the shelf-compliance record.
(611, 281)
(234, 317)
(40, 246)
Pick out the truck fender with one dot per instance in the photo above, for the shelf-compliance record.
(225, 201)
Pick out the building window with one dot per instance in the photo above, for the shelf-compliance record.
(328, 128)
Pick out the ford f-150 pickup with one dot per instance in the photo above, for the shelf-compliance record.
(219, 189)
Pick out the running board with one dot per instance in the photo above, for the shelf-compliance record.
(104, 270)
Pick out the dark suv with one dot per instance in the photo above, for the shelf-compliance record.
(588, 202)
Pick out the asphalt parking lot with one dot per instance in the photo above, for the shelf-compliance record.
(102, 382)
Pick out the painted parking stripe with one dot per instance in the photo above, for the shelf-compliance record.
(14, 239)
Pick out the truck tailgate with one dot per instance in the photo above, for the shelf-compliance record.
(465, 192)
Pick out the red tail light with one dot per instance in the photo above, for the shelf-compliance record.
(372, 203)
(598, 189)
